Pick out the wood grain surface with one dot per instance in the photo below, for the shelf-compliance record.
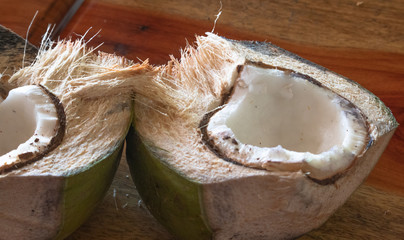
(363, 40)
(34, 15)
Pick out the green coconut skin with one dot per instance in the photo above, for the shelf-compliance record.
(173, 199)
(83, 191)
(88, 188)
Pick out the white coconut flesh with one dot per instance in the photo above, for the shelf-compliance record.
(31, 124)
(279, 120)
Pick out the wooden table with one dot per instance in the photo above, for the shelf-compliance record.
(363, 40)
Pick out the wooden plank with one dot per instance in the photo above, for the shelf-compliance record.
(18, 16)
(136, 33)
(371, 24)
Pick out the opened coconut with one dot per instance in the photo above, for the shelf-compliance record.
(59, 146)
(244, 140)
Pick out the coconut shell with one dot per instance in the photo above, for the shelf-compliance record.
(198, 195)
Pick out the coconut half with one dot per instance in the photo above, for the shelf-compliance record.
(49, 184)
(244, 140)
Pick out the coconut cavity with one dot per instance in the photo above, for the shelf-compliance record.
(277, 119)
(32, 123)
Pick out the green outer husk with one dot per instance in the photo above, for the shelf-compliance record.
(172, 199)
(82, 188)
(85, 190)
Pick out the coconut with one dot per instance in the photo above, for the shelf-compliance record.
(244, 140)
(60, 146)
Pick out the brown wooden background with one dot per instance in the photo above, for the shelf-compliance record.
(363, 40)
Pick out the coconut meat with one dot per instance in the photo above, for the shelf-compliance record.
(280, 120)
(29, 124)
